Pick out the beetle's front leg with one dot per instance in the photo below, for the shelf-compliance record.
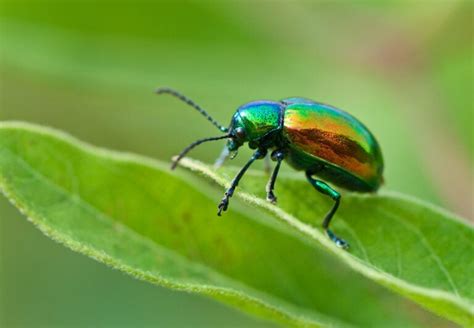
(278, 156)
(259, 154)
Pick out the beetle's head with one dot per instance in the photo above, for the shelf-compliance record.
(238, 134)
(252, 122)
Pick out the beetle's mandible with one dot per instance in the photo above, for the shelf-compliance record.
(310, 136)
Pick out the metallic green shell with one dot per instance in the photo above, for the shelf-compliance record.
(332, 144)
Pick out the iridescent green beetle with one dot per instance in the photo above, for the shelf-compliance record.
(313, 137)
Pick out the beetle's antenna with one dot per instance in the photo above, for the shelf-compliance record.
(191, 146)
(192, 104)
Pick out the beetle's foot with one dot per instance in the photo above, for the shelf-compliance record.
(271, 197)
(223, 205)
(338, 241)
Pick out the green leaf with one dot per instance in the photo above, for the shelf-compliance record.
(135, 215)
(412, 247)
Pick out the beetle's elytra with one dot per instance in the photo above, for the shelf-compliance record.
(313, 137)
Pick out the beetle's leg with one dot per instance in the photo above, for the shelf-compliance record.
(259, 154)
(222, 157)
(266, 164)
(278, 156)
(325, 189)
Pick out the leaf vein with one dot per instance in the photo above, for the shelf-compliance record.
(428, 246)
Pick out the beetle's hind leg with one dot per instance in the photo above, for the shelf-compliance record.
(325, 189)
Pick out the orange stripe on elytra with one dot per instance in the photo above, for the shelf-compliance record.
(334, 148)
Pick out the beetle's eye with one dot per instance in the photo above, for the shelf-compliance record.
(240, 133)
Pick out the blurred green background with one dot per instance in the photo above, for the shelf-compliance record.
(90, 67)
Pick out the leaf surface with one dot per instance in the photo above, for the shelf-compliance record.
(135, 215)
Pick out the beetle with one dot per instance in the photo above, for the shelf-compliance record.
(310, 136)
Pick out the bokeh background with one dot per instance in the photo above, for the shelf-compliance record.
(90, 67)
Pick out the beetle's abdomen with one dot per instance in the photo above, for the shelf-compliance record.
(335, 138)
